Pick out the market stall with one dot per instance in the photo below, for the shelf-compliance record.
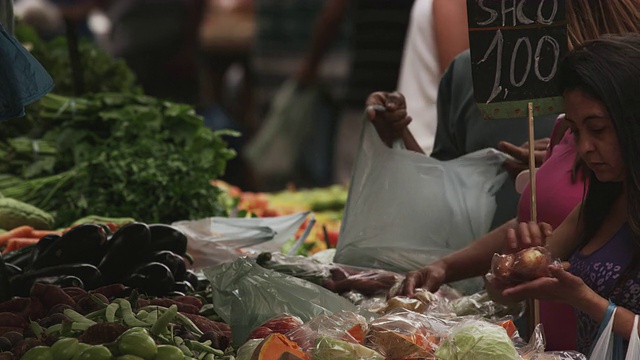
(105, 195)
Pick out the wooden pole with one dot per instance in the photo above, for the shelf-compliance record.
(532, 166)
(534, 317)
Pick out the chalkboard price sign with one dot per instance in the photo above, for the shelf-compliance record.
(516, 48)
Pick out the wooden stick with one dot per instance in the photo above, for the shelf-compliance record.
(532, 166)
(534, 214)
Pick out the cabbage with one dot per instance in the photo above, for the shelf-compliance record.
(477, 340)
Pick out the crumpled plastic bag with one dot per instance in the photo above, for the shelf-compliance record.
(217, 240)
(344, 326)
(405, 334)
(22, 79)
(405, 209)
(246, 295)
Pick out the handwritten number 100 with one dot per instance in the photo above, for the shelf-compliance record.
(498, 44)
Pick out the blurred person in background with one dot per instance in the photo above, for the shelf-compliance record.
(158, 40)
(225, 41)
(399, 44)
(376, 35)
(437, 32)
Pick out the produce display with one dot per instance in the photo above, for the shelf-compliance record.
(149, 258)
(327, 205)
(162, 175)
(117, 285)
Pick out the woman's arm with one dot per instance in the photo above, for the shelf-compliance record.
(451, 30)
(566, 238)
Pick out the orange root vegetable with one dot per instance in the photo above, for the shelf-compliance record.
(19, 232)
(18, 243)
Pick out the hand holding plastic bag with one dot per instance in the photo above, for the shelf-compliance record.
(246, 295)
(405, 209)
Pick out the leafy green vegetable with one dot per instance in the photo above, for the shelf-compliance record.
(126, 155)
(478, 340)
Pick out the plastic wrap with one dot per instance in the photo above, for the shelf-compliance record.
(245, 295)
(338, 278)
(343, 325)
(525, 265)
(558, 355)
(403, 333)
(405, 209)
(478, 340)
(280, 324)
(218, 240)
(480, 304)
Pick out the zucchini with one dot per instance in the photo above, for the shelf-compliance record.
(14, 213)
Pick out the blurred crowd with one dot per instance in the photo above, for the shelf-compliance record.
(231, 58)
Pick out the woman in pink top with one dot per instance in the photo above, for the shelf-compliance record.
(560, 188)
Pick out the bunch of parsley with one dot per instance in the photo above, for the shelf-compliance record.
(125, 155)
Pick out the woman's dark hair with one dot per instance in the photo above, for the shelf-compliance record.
(608, 69)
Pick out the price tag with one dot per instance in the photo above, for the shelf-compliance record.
(516, 48)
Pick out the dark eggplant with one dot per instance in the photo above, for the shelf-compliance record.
(41, 247)
(5, 285)
(153, 278)
(167, 237)
(184, 287)
(174, 262)
(82, 244)
(62, 281)
(124, 251)
(192, 278)
(21, 257)
(89, 274)
(12, 270)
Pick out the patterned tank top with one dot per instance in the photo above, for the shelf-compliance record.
(601, 271)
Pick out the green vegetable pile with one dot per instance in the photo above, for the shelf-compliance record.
(119, 155)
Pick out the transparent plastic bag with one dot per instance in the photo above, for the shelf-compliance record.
(525, 265)
(479, 340)
(218, 240)
(403, 333)
(338, 278)
(406, 209)
(480, 304)
(280, 324)
(332, 334)
(558, 355)
(245, 295)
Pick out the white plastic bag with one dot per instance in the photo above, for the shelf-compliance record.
(633, 350)
(603, 348)
(406, 209)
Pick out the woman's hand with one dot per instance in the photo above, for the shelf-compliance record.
(561, 286)
(388, 114)
(527, 234)
(430, 278)
(520, 154)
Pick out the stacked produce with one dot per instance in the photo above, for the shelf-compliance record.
(122, 156)
(148, 258)
(71, 323)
